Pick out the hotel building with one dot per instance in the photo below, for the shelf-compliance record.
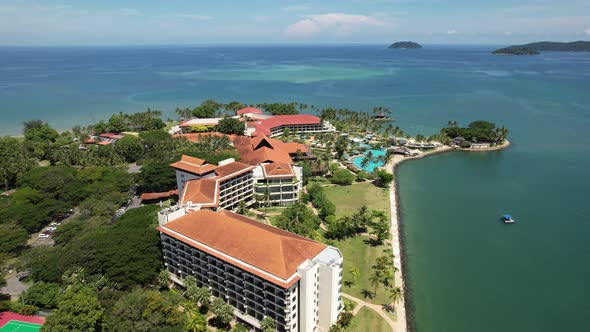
(258, 269)
(203, 185)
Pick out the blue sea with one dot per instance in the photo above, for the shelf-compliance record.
(467, 271)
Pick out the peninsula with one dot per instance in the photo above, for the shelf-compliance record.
(538, 47)
(405, 45)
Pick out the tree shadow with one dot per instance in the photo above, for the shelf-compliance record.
(348, 283)
(367, 294)
(217, 323)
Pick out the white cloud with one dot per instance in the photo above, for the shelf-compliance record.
(587, 31)
(339, 23)
(194, 17)
(451, 32)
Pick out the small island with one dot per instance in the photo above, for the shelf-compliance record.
(405, 45)
(537, 48)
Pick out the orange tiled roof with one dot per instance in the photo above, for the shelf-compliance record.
(265, 149)
(151, 196)
(232, 168)
(278, 169)
(205, 191)
(264, 155)
(196, 137)
(254, 246)
(247, 110)
(201, 191)
(193, 165)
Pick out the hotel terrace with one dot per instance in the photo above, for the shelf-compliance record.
(260, 270)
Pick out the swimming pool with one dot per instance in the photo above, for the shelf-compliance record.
(372, 164)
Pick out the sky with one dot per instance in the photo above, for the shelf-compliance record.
(165, 22)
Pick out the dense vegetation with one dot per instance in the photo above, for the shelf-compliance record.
(477, 132)
(405, 44)
(536, 48)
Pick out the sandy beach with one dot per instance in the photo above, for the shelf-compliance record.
(401, 324)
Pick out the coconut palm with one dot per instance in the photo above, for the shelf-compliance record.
(202, 296)
(375, 280)
(195, 321)
(242, 208)
(223, 311)
(395, 295)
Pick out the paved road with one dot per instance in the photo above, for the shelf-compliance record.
(13, 286)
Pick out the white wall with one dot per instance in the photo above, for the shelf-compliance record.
(308, 294)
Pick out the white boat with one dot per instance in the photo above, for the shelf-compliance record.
(508, 219)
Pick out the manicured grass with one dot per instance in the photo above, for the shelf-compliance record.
(358, 253)
(368, 320)
(348, 199)
(273, 210)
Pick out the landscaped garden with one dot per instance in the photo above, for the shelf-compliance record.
(368, 320)
(348, 199)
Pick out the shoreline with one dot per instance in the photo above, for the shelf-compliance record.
(404, 309)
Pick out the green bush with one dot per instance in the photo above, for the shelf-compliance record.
(342, 177)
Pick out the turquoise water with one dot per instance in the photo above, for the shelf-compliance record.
(370, 167)
(468, 272)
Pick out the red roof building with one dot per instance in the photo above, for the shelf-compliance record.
(249, 110)
(300, 123)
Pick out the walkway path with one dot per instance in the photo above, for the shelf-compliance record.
(375, 307)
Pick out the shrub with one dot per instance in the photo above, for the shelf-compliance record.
(342, 177)
(361, 176)
(384, 178)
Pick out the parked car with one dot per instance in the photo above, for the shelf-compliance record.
(51, 228)
(44, 236)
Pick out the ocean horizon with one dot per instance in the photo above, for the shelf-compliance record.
(466, 270)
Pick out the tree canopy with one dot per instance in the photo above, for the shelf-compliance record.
(229, 125)
(77, 310)
(298, 219)
(146, 310)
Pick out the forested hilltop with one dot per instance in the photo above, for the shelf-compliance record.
(536, 48)
(405, 44)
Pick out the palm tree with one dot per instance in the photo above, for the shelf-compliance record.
(375, 280)
(266, 199)
(242, 208)
(267, 324)
(355, 273)
(387, 277)
(223, 311)
(203, 297)
(195, 322)
(396, 295)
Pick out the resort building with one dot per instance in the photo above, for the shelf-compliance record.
(296, 123)
(278, 181)
(203, 185)
(260, 270)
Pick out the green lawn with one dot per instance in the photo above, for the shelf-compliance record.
(273, 219)
(368, 320)
(359, 254)
(348, 199)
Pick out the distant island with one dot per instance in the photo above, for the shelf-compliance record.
(405, 44)
(537, 48)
